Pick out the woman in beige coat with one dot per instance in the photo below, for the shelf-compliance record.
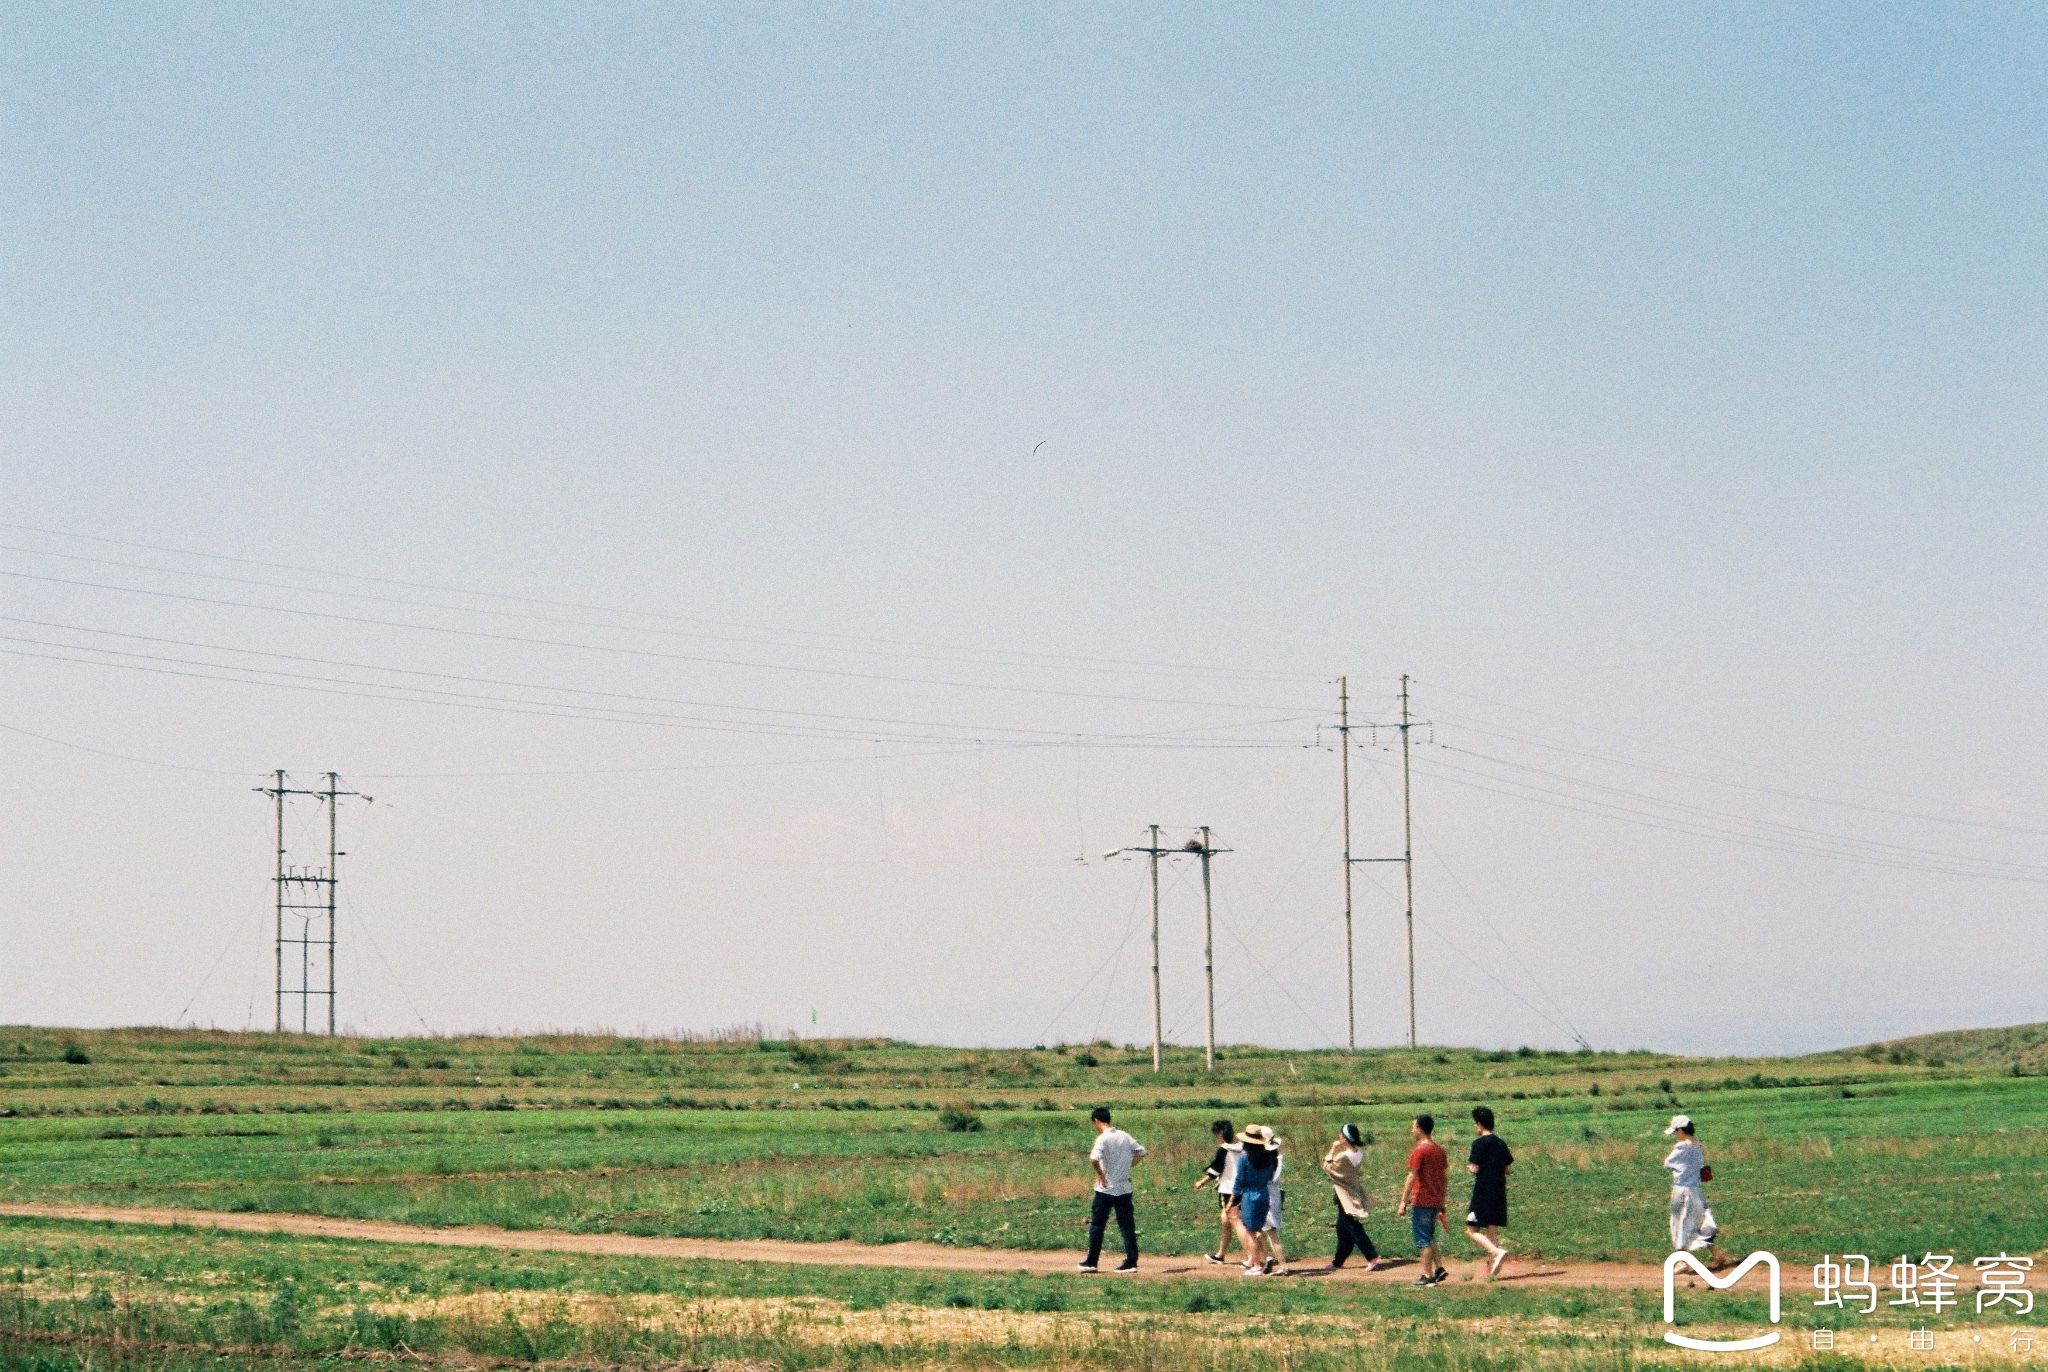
(1341, 1165)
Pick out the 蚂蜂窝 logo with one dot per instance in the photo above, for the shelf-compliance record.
(1672, 1336)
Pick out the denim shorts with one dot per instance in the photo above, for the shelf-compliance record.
(1422, 1223)
(1252, 1207)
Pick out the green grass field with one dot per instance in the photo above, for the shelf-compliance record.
(1900, 1148)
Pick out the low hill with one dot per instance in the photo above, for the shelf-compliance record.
(2021, 1049)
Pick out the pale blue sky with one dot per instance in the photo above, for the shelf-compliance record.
(1674, 370)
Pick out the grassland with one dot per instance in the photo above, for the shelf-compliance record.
(1899, 1148)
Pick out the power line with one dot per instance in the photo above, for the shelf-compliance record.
(236, 929)
(1752, 787)
(372, 690)
(128, 757)
(1502, 939)
(1047, 660)
(427, 695)
(1130, 927)
(1646, 819)
(696, 659)
(1794, 832)
(1281, 986)
(471, 679)
(1429, 927)
(1409, 899)
(992, 659)
(1666, 745)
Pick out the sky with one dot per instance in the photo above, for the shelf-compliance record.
(765, 497)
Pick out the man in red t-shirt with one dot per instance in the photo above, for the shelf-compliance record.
(1422, 1198)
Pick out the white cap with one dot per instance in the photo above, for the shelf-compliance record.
(1678, 1122)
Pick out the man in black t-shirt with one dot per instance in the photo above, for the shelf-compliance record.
(1489, 1166)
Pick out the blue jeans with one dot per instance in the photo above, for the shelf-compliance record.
(1422, 1223)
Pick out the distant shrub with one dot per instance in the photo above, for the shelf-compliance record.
(958, 1119)
(400, 1060)
(75, 1055)
(1087, 1060)
(1271, 1100)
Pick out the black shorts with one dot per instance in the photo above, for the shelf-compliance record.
(1487, 1213)
(1224, 1200)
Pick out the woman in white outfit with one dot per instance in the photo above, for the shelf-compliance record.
(1692, 1223)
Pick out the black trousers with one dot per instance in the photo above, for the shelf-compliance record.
(1126, 1225)
(1351, 1235)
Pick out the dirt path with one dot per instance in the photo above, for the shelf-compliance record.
(922, 1256)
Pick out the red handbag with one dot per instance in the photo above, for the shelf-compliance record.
(1706, 1171)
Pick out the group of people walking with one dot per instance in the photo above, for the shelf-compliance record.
(1248, 1166)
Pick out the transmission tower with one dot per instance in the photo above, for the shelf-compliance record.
(306, 893)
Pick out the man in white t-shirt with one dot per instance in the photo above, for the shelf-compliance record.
(1111, 1157)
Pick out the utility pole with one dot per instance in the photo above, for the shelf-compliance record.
(1200, 848)
(1344, 769)
(1407, 858)
(333, 882)
(310, 893)
(1208, 959)
(1158, 1026)
(279, 890)
(1408, 854)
